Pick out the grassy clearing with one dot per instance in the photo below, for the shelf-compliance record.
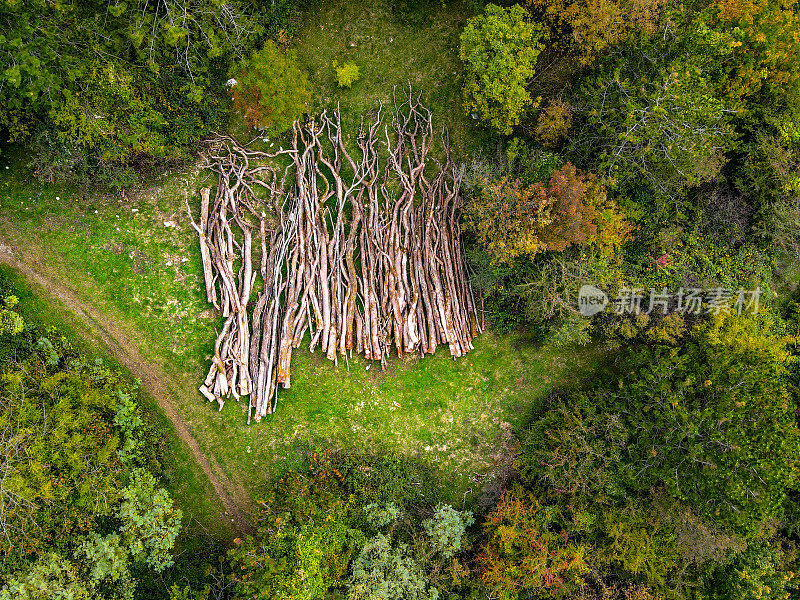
(451, 413)
(135, 257)
(390, 50)
(179, 473)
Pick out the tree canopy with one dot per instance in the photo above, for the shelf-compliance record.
(499, 49)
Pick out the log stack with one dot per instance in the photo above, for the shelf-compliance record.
(354, 251)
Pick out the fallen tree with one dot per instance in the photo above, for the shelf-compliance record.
(361, 251)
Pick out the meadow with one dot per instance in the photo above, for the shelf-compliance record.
(133, 256)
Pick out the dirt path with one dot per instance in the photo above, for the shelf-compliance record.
(233, 497)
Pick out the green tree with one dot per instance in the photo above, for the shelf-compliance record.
(52, 576)
(710, 420)
(383, 572)
(714, 422)
(304, 545)
(108, 557)
(150, 522)
(271, 90)
(346, 74)
(446, 529)
(648, 119)
(499, 49)
(105, 112)
(107, 82)
(10, 320)
(58, 450)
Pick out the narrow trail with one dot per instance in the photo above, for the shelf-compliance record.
(153, 378)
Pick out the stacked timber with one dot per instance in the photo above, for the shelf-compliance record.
(355, 251)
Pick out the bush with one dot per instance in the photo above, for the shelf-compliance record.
(710, 421)
(780, 225)
(766, 570)
(512, 219)
(379, 516)
(150, 523)
(383, 572)
(124, 79)
(315, 521)
(56, 160)
(526, 552)
(577, 448)
(446, 528)
(11, 323)
(306, 538)
(346, 74)
(382, 478)
(554, 123)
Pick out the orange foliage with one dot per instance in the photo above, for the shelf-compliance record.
(513, 220)
(575, 199)
(247, 103)
(594, 25)
(525, 552)
(765, 41)
(506, 216)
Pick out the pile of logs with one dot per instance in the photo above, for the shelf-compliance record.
(359, 251)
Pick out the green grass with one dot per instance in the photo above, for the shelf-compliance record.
(390, 52)
(118, 254)
(451, 413)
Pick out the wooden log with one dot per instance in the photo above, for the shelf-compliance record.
(363, 252)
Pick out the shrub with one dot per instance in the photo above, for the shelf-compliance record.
(512, 219)
(506, 216)
(380, 516)
(525, 553)
(576, 449)
(446, 529)
(766, 570)
(346, 74)
(11, 323)
(150, 523)
(383, 572)
(638, 543)
(304, 543)
(554, 123)
(780, 225)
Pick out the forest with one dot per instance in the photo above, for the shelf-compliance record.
(399, 300)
